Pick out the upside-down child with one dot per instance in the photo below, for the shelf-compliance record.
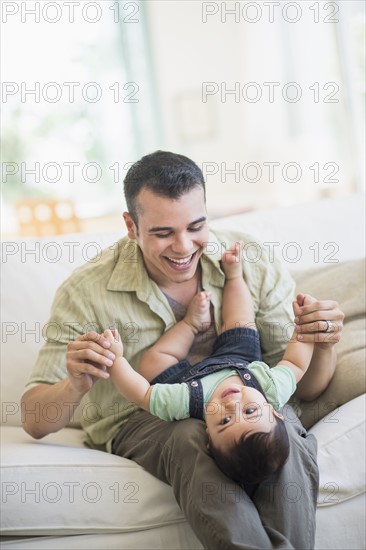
(233, 391)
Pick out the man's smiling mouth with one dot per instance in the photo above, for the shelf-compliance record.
(181, 263)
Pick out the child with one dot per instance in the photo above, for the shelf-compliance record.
(237, 395)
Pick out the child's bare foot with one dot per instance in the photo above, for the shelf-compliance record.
(198, 315)
(231, 263)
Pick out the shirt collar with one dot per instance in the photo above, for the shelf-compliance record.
(129, 273)
(212, 273)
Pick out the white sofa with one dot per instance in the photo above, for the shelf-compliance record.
(56, 486)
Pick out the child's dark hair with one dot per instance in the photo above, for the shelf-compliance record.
(164, 173)
(255, 457)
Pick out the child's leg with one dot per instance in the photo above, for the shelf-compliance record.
(237, 304)
(175, 343)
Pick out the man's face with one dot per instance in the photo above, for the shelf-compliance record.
(171, 234)
(234, 410)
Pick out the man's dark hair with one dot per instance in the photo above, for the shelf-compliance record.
(255, 457)
(165, 174)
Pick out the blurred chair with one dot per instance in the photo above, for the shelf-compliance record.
(42, 217)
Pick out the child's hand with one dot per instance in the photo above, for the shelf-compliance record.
(301, 300)
(115, 340)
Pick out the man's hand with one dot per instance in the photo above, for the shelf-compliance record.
(318, 321)
(87, 360)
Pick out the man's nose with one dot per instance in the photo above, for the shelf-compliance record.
(182, 245)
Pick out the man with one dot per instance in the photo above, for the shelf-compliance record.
(142, 289)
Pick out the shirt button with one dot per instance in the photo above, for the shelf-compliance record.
(247, 376)
(194, 384)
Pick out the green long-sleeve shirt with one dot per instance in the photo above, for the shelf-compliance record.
(171, 401)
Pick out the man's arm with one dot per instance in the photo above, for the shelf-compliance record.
(62, 394)
(87, 359)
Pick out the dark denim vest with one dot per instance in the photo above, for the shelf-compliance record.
(196, 399)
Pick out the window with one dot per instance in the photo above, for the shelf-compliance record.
(75, 95)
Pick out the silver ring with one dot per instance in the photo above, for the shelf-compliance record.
(330, 326)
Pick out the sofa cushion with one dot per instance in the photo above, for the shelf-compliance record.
(344, 283)
(59, 479)
(341, 453)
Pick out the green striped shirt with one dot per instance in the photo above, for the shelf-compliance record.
(116, 291)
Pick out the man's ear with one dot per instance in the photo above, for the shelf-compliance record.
(131, 226)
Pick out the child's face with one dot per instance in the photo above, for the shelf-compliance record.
(234, 410)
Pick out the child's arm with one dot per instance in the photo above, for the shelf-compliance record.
(316, 379)
(301, 358)
(298, 354)
(129, 383)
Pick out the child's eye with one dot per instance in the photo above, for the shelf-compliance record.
(249, 410)
(225, 420)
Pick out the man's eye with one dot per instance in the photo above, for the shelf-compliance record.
(225, 420)
(162, 235)
(197, 228)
